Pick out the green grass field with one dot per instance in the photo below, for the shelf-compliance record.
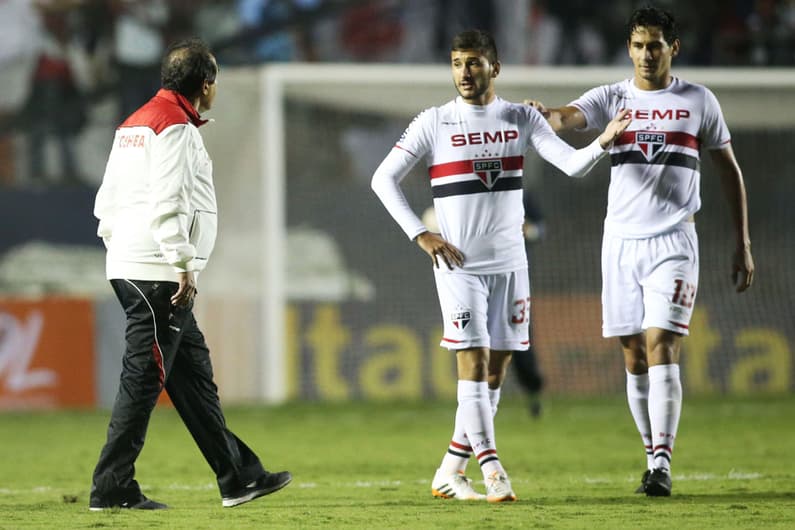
(367, 465)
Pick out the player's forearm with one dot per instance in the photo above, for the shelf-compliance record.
(734, 188)
(575, 163)
(566, 119)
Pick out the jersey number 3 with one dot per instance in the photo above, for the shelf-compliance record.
(522, 311)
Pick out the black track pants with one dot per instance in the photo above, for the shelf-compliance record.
(165, 349)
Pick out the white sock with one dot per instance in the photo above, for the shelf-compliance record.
(494, 399)
(458, 452)
(473, 403)
(638, 400)
(665, 407)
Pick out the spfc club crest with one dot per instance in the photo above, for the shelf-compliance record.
(460, 319)
(650, 143)
(488, 171)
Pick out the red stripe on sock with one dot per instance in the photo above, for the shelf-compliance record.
(487, 452)
(460, 446)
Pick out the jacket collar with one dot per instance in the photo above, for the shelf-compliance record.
(182, 102)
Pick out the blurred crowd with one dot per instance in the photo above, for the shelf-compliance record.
(60, 58)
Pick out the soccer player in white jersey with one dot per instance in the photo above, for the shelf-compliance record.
(650, 248)
(474, 147)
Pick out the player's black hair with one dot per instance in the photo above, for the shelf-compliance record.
(650, 16)
(476, 39)
(186, 65)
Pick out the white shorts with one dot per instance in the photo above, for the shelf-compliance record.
(489, 311)
(649, 283)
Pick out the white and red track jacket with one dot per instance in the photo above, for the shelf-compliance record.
(156, 205)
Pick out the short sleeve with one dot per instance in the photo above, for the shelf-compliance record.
(594, 104)
(714, 132)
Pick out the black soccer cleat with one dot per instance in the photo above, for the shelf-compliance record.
(658, 484)
(535, 408)
(643, 480)
(267, 483)
(138, 504)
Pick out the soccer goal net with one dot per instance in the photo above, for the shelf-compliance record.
(315, 293)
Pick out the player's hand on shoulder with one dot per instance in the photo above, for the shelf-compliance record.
(540, 107)
(440, 250)
(615, 128)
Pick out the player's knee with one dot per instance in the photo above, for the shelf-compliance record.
(473, 364)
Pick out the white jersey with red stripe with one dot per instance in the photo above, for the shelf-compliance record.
(475, 157)
(655, 177)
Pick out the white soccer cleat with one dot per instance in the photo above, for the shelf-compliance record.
(498, 488)
(455, 486)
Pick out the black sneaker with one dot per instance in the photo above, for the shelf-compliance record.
(658, 484)
(267, 483)
(643, 480)
(140, 504)
(535, 408)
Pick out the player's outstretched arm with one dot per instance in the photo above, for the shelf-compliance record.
(734, 188)
(562, 118)
(577, 163)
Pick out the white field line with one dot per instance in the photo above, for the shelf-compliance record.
(684, 477)
(733, 474)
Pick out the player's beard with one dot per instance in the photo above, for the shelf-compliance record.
(476, 91)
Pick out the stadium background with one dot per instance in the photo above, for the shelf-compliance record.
(361, 318)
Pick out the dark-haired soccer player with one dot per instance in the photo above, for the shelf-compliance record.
(650, 248)
(474, 147)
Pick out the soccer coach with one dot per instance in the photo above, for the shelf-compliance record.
(157, 216)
